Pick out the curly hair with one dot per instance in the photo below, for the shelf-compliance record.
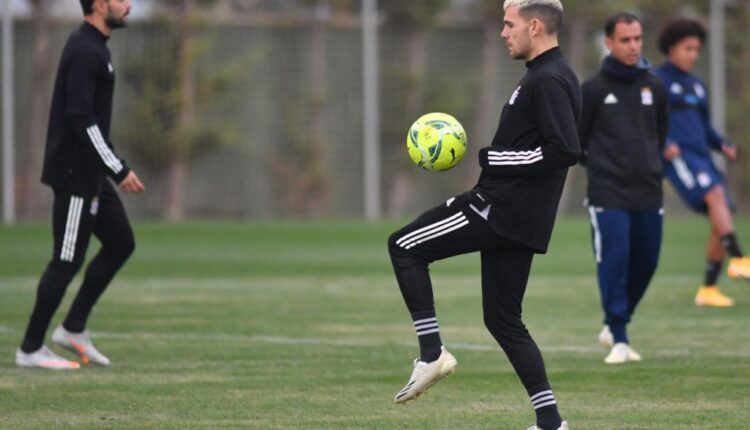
(678, 29)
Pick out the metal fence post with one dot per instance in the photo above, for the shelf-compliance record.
(9, 195)
(371, 110)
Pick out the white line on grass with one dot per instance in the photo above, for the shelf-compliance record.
(283, 340)
(458, 346)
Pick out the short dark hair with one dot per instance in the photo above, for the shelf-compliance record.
(678, 29)
(549, 15)
(87, 6)
(623, 17)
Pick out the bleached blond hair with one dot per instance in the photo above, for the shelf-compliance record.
(550, 12)
(523, 4)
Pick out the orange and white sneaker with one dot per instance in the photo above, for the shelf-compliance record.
(79, 343)
(710, 295)
(43, 358)
(739, 268)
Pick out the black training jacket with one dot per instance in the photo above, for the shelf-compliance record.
(524, 171)
(623, 130)
(79, 155)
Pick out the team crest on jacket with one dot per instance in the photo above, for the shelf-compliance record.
(111, 67)
(514, 96)
(647, 97)
(699, 91)
(676, 88)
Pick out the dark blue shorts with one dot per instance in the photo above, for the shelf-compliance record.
(693, 178)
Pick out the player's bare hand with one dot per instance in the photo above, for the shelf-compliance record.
(730, 151)
(671, 151)
(131, 183)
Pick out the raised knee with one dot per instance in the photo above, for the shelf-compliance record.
(393, 247)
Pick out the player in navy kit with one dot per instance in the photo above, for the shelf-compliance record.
(689, 166)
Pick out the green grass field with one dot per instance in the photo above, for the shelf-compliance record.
(300, 325)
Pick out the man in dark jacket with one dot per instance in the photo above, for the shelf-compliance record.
(622, 132)
(78, 160)
(508, 216)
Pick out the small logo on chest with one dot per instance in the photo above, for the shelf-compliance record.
(647, 97)
(699, 91)
(111, 68)
(611, 99)
(514, 96)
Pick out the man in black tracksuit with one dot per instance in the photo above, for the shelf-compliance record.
(507, 217)
(623, 130)
(78, 159)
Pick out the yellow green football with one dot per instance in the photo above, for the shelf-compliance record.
(436, 141)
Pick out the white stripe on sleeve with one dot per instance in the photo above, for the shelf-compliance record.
(101, 147)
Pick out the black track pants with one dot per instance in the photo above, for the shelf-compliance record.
(454, 228)
(74, 220)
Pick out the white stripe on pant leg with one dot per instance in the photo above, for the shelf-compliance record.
(597, 235)
(431, 226)
(683, 172)
(66, 235)
(71, 229)
(426, 231)
(442, 233)
(66, 252)
(417, 239)
(76, 228)
(408, 243)
(74, 231)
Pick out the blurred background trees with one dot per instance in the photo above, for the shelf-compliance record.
(252, 108)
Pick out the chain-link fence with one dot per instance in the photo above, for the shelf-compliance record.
(254, 109)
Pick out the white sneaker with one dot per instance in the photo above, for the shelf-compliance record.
(620, 353)
(605, 337)
(79, 343)
(425, 375)
(45, 359)
(563, 426)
